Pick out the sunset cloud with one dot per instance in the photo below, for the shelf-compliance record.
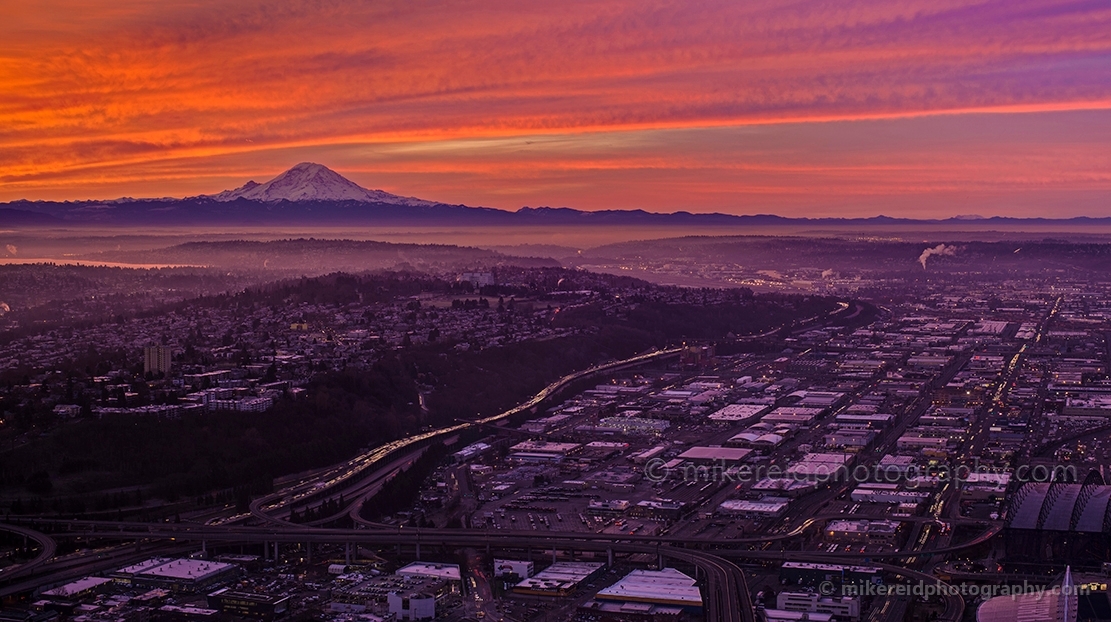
(104, 99)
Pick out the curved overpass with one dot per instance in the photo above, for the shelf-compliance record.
(47, 548)
(725, 592)
(725, 589)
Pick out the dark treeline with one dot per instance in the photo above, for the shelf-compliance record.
(489, 381)
(194, 455)
(225, 456)
(404, 489)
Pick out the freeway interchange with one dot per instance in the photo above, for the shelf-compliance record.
(725, 591)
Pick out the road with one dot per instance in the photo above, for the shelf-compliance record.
(725, 592)
(47, 548)
(77, 565)
(332, 481)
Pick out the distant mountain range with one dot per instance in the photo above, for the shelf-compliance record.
(312, 194)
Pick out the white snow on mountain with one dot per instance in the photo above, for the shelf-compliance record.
(313, 182)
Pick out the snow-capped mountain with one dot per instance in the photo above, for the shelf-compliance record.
(313, 182)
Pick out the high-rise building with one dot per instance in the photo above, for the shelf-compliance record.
(156, 359)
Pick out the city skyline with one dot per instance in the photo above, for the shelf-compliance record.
(911, 110)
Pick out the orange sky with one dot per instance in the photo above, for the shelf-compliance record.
(909, 108)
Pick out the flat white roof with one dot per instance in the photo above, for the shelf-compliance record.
(425, 569)
(818, 464)
(153, 562)
(783, 484)
(739, 412)
(560, 576)
(864, 417)
(890, 459)
(77, 587)
(715, 453)
(979, 477)
(544, 447)
(819, 398)
(186, 569)
(757, 507)
(665, 587)
(827, 458)
(793, 414)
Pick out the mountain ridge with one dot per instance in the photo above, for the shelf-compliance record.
(313, 194)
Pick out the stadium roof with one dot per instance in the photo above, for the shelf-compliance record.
(1062, 507)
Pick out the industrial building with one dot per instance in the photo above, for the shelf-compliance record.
(176, 575)
(446, 572)
(840, 607)
(249, 604)
(820, 467)
(374, 592)
(657, 587)
(810, 575)
(559, 579)
(76, 589)
(886, 493)
(767, 507)
(715, 454)
(411, 605)
(795, 415)
(739, 413)
(512, 567)
(782, 615)
(862, 531)
(541, 451)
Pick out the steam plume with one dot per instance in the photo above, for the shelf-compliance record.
(940, 250)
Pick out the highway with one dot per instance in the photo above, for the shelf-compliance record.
(724, 589)
(63, 528)
(334, 480)
(77, 565)
(726, 593)
(47, 548)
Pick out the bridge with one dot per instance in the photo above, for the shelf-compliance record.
(726, 594)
